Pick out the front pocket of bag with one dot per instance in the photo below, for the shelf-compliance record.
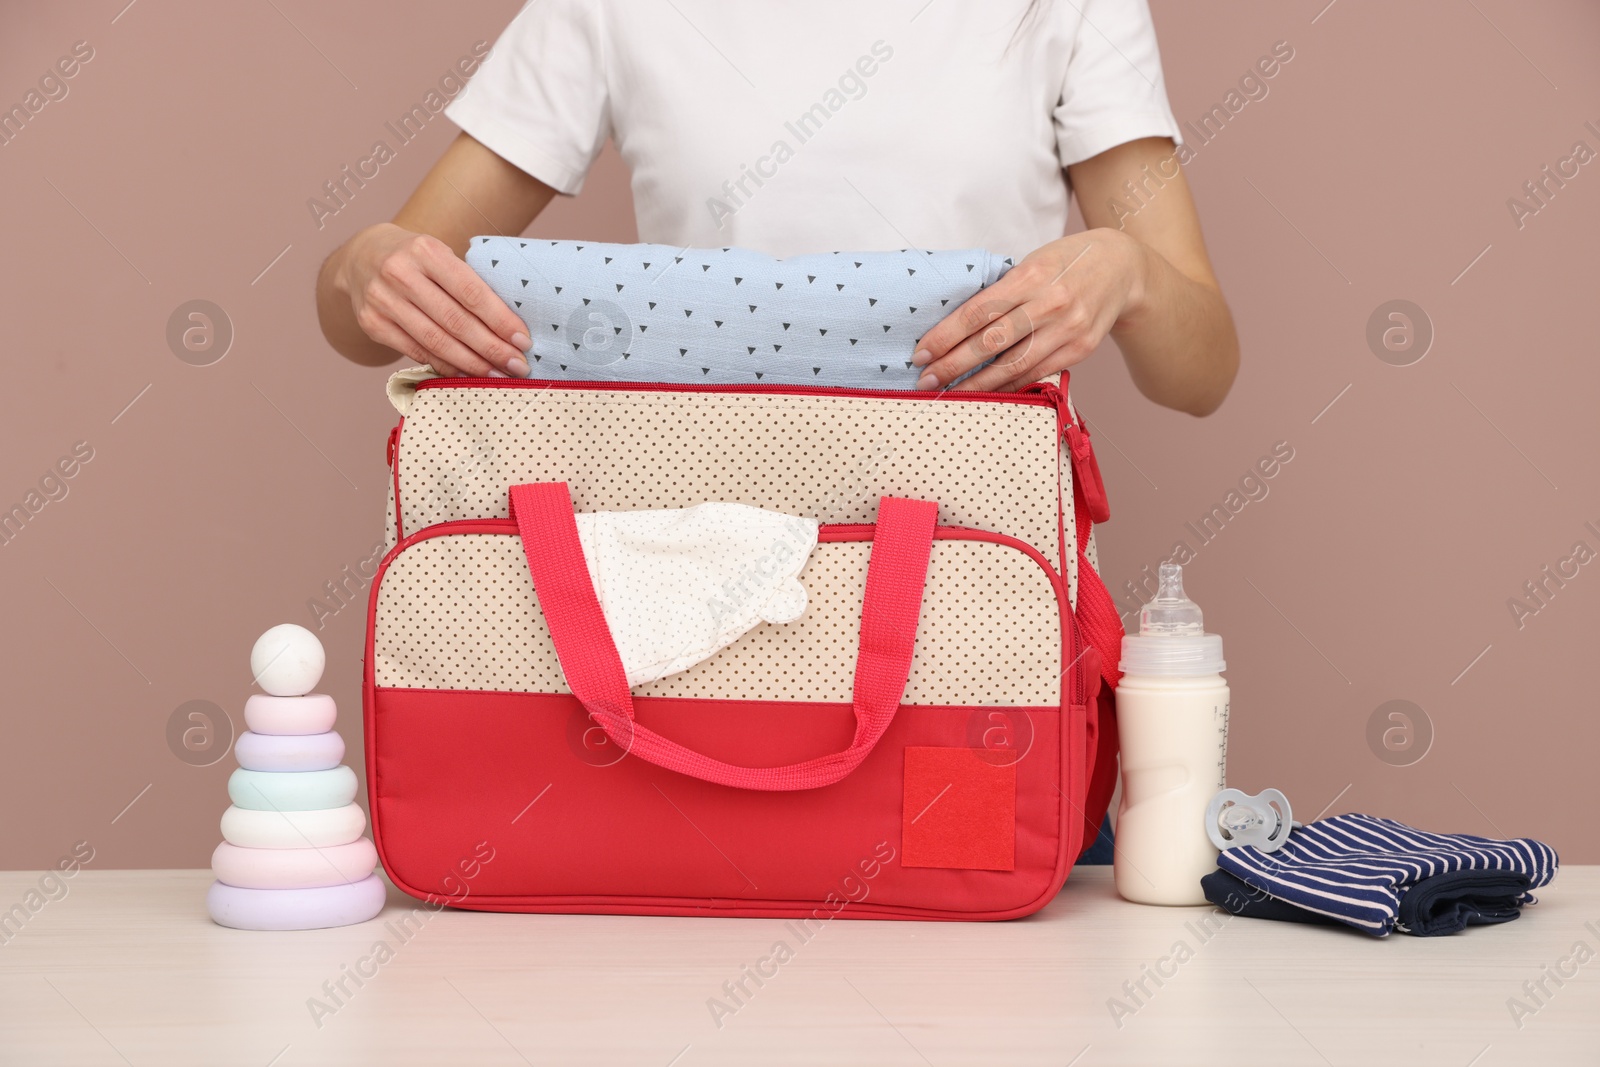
(475, 737)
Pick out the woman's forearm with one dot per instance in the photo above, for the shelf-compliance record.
(1174, 329)
(1176, 335)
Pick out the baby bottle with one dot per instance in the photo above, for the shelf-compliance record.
(1172, 715)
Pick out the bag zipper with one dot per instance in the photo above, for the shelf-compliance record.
(1038, 393)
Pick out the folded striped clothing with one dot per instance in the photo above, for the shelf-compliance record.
(1379, 875)
(1443, 904)
(728, 316)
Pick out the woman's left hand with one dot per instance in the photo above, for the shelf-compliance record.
(1045, 314)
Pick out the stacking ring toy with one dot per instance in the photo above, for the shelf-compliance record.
(292, 790)
(289, 752)
(311, 714)
(293, 829)
(293, 868)
(296, 909)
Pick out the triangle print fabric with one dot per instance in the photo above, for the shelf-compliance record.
(727, 316)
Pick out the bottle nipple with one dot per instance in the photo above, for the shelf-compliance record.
(1171, 612)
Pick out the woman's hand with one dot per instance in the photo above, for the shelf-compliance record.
(1139, 272)
(410, 292)
(1047, 313)
(401, 288)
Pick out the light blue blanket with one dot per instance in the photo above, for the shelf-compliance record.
(728, 316)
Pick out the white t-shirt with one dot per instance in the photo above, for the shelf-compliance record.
(823, 125)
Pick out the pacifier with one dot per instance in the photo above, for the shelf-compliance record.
(1235, 818)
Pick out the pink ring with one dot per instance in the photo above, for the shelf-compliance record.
(311, 714)
(293, 868)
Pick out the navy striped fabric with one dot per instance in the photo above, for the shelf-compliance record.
(1357, 868)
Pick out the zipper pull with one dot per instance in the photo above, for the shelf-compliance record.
(1056, 395)
(1086, 473)
(1085, 468)
(1047, 389)
(394, 440)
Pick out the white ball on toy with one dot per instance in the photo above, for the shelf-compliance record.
(287, 660)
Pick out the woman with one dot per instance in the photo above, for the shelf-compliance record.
(822, 126)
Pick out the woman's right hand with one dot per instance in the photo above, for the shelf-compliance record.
(412, 293)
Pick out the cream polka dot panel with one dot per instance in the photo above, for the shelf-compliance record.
(993, 465)
(458, 611)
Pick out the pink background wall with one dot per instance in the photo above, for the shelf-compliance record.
(1378, 566)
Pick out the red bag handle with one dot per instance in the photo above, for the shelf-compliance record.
(896, 573)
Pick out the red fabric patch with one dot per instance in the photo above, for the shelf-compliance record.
(960, 810)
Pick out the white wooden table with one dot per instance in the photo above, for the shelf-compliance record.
(127, 969)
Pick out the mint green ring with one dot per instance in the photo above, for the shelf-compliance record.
(292, 790)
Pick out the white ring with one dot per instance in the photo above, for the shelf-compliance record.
(293, 829)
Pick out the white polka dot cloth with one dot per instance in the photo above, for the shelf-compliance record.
(728, 316)
(677, 585)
